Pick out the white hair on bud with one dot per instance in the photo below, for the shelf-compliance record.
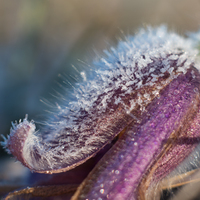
(69, 139)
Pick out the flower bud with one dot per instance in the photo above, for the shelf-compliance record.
(147, 90)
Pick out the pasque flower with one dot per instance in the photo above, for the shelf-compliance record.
(146, 92)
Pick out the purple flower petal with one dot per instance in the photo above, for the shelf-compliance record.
(121, 171)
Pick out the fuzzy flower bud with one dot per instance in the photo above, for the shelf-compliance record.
(148, 89)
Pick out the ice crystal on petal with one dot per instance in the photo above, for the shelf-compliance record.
(119, 89)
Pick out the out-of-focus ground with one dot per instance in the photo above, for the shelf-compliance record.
(41, 39)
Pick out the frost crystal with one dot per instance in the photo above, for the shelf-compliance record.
(121, 86)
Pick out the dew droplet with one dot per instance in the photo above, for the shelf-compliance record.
(135, 143)
(101, 191)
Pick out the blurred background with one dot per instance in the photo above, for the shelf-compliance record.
(41, 40)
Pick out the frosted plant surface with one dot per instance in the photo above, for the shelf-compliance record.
(117, 93)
